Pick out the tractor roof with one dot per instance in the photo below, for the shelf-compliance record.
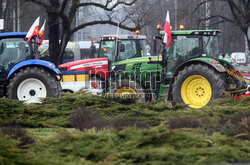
(113, 37)
(13, 35)
(194, 32)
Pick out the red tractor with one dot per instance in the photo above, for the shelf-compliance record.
(92, 73)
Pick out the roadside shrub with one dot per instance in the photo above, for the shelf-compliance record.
(17, 133)
(122, 122)
(125, 101)
(184, 122)
(86, 119)
(236, 125)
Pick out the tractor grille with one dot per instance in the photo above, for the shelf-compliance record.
(120, 68)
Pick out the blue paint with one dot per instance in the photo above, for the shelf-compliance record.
(13, 34)
(74, 72)
(34, 62)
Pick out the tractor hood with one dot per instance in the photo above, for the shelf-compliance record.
(86, 64)
(95, 66)
(139, 59)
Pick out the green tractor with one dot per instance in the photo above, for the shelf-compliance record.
(189, 72)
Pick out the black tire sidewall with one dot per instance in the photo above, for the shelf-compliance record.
(140, 93)
(40, 74)
(208, 73)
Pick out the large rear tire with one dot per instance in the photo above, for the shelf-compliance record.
(32, 83)
(126, 88)
(196, 85)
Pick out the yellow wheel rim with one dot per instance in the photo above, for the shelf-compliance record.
(125, 91)
(196, 91)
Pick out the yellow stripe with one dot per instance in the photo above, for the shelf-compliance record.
(44, 50)
(142, 60)
(82, 77)
(73, 78)
(237, 77)
(68, 78)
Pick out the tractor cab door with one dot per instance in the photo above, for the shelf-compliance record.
(211, 47)
(123, 49)
(127, 49)
(182, 49)
(12, 51)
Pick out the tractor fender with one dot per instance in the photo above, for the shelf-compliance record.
(45, 64)
(218, 67)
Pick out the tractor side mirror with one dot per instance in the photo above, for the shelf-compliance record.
(122, 48)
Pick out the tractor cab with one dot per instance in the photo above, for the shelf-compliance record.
(13, 50)
(122, 47)
(190, 44)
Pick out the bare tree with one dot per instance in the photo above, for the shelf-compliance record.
(64, 12)
(9, 14)
(239, 14)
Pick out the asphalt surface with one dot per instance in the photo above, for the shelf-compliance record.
(244, 69)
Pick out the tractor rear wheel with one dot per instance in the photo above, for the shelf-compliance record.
(196, 85)
(32, 83)
(126, 88)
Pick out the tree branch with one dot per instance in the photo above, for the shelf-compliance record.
(110, 22)
(105, 7)
(63, 6)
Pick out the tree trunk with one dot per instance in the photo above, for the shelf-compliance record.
(64, 41)
(53, 23)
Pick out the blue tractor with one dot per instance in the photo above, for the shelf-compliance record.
(22, 76)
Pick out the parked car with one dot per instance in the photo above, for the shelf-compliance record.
(239, 58)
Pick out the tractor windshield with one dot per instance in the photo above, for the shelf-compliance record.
(182, 48)
(12, 51)
(107, 49)
(210, 47)
(127, 49)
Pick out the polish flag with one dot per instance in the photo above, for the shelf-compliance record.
(33, 31)
(41, 33)
(167, 29)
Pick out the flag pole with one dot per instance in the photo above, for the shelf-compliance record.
(116, 41)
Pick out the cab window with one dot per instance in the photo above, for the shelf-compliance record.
(13, 51)
(127, 49)
(107, 49)
(143, 48)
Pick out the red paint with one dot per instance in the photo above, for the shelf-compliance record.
(98, 69)
(241, 96)
(94, 84)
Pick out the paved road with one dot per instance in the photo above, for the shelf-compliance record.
(244, 69)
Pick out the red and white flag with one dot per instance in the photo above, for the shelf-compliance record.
(33, 31)
(41, 33)
(167, 29)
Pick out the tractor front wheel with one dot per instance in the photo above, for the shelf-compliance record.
(126, 88)
(32, 83)
(196, 85)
